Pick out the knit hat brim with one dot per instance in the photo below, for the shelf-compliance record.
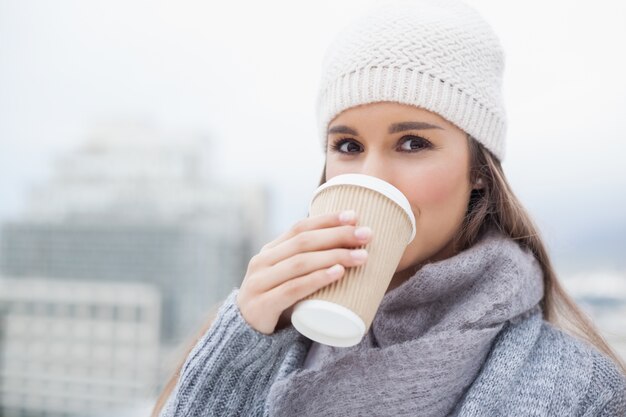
(407, 86)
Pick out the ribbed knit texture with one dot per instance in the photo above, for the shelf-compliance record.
(429, 338)
(230, 370)
(531, 369)
(436, 54)
(535, 369)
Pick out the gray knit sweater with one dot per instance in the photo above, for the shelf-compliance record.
(532, 369)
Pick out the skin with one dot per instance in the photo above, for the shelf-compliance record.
(433, 173)
(434, 178)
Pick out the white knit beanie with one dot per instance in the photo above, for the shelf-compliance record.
(439, 55)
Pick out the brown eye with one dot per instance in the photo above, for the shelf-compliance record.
(337, 146)
(416, 143)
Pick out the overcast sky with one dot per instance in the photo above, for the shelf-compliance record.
(246, 74)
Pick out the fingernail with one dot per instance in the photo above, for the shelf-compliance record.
(363, 233)
(347, 215)
(334, 270)
(359, 254)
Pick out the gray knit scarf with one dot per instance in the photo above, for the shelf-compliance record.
(427, 343)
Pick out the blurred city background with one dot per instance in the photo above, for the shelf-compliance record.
(149, 149)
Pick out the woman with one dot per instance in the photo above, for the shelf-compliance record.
(410, 93)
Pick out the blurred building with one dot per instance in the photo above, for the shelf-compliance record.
(192, 265)
(76, 347)
(135, 206)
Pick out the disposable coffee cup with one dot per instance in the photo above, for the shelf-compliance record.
(341, 313)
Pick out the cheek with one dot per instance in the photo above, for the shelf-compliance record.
(439, 200)
(437, 186)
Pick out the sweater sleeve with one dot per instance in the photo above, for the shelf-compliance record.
(610, 383)
(231, 369)
(613, 403)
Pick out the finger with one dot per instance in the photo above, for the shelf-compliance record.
(314, 222)
(313, 240)
(286, 295)
(306, 263)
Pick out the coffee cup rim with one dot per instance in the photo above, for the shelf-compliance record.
(373, 183)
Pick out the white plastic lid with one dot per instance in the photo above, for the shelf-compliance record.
(372, 183)
(328, 323)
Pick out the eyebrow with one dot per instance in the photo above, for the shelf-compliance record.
(394, 128)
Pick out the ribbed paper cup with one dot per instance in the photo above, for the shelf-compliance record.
(341, 313)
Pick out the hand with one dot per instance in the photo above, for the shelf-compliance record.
(295, 265)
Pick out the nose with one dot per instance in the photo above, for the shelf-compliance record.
(376, 166)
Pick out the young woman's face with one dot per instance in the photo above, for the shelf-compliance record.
(418, 152)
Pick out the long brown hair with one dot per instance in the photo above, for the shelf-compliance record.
(495, 206)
